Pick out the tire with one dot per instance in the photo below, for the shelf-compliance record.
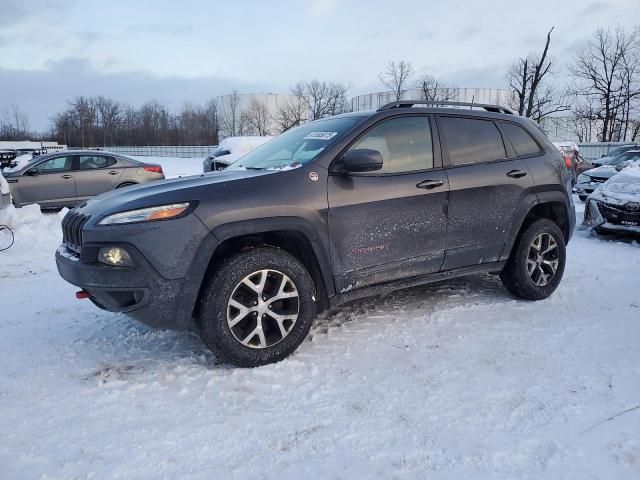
(516, 275)
(231, 282)
(126, 184)
(582, 198)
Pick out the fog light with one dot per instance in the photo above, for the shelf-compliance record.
(115, 256)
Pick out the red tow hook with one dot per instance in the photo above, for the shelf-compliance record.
(80, 294)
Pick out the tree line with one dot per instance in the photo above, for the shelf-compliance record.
(600, 100)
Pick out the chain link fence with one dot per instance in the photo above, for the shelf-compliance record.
(185, 151)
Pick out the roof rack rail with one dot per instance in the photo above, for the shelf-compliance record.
(411, 103)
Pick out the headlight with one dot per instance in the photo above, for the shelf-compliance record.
(115, 256)
(149, 214)
(582, 178)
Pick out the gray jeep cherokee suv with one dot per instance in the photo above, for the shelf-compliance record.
(336, 209)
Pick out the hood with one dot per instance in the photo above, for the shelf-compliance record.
(605, 171)
(163, 192)
(622, 188)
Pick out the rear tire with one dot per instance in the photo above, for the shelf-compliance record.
(258, 307)
(537, 261)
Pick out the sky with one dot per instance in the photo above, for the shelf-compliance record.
(191, 51)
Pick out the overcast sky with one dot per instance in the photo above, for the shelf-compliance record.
(136, 50)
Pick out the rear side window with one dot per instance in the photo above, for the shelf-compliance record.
(404, 143)
(522, 142)
(91, 162)
(471, 140)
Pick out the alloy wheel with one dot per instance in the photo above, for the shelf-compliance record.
(263, 308)
(543, 259)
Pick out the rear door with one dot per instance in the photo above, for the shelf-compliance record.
(486, 186)
(49, 183)
(95, 174)
(391, 223)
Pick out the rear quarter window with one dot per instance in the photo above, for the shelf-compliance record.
(522, 142)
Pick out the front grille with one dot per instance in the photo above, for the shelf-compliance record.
(72, 225)
(618, 215)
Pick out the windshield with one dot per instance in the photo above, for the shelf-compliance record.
(297, 146)
(625, 157)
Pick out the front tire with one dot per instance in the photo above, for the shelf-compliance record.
(258, 308)
(537, 261)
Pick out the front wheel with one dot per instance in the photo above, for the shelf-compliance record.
(537, 261)
(258, 308)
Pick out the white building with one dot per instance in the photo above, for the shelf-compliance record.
(29, 145)
(494, 96)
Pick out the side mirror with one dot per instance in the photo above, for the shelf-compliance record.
(619, 168)
(32, 172)
(361, 160)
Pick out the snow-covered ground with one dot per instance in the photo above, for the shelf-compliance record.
(448, 381)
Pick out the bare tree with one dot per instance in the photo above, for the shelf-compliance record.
(396, 77)
(533, 97)
(14, 124)
(322, 99)
(110, 113)
(230, 115)
(605, 71)
(291, 114)
(258, 118)
(432, 90)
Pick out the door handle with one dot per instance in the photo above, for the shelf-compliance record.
(429, 184)
(67, 176)
(113, 172)
(516, 173)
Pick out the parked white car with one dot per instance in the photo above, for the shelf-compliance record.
(230, 150)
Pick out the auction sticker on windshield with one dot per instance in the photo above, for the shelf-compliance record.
(320, 135)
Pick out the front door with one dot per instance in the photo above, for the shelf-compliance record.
(49, 183)
(389, 224)
(486, 189)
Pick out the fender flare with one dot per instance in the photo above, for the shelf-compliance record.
(208, 246)
(530, 201)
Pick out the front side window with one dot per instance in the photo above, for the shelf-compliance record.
(471, 140)
(90, 162)
(404, 143)
(522, 142)
(297, 146)
(58, 164)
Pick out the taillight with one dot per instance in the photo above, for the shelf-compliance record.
(153, 168)
(568, 161)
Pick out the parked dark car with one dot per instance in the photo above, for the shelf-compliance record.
(613, 153)
(615, 206)
(6, 158)
(337, 209)
(67, 178)
(592, 179)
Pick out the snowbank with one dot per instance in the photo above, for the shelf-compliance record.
(36, 234)
(4, 186)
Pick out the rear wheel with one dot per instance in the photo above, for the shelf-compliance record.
(537, 261)
(258, 308)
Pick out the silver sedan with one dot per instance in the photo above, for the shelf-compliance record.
(66, 178)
